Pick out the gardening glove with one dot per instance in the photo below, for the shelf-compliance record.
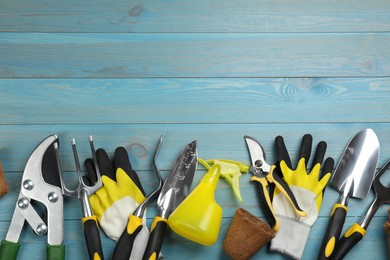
(119, 196)
(308, 189)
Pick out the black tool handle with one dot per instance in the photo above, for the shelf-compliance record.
(348, 241)
(156, 238)
(92, 238)
(285, 189)
(125, 243)
(333, 231)
(261, 185)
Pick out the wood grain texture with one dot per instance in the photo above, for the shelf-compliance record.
(194, 55)
(195, 16)
(128, 71)
(214, 140)
(216, 100)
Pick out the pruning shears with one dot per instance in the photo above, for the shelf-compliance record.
(41, 183)
(264, 176)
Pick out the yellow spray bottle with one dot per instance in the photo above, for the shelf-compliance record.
(198, 218)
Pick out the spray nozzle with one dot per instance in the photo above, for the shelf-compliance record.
(230, 171)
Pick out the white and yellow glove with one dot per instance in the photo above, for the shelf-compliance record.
(308, 189)
(119, 196)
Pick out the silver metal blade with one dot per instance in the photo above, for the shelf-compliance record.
(16, 226)
(257, 154)
(44, 188)
(177, 185)
(355, 171)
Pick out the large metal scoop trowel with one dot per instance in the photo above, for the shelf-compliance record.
(353, 177)
(358, 230)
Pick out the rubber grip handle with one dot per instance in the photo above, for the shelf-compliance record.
(125, 243)
(348, 241)
(9, 250)
(333, 231)
(156, 238)
(261, 185)
(92, 238)
(55, 252)
(285, 189)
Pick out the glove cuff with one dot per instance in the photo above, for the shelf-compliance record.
(291, 237)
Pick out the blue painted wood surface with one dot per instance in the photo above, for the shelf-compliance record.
(128, 71)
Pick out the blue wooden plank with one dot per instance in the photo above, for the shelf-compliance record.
(260, 68)
(194, 55)
(213, 100)
(214, 140)
(194, 16)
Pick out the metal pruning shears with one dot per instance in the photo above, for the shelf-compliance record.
(41, 183)
(264, 176)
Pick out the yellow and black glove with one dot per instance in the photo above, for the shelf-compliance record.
(119, 196)
(308, 189)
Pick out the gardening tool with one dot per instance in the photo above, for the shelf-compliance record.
(175, 188)
(3, 182)
(357, 231)
(124, 246)
(353, 178)
(41, 183)
(82, 192)
(264, 176)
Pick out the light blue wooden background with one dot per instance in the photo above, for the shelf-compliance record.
(128, 71)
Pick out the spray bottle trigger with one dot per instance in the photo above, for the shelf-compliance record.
(230, 171)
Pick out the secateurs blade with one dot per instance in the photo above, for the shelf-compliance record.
(264, 176)
(40, 183)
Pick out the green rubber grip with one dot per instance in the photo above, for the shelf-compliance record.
(55, 252)
(9, 250)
